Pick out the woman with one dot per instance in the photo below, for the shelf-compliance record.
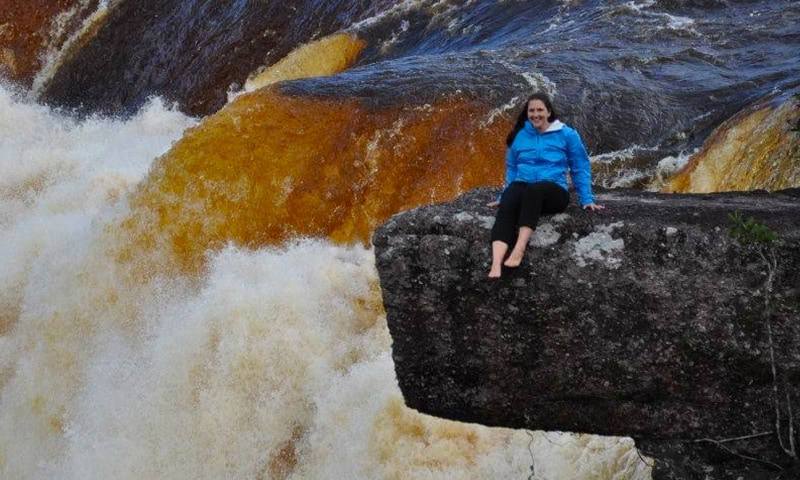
(541, 150)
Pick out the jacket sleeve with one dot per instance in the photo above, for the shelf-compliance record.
(511, 165)
(580, 168)
(511, 168)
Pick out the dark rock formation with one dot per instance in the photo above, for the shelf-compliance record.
(643, 320)
(187, 51)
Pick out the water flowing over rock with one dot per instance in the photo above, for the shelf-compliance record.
(190, 52)
(756, 149)
(644, 320)
(31, 31)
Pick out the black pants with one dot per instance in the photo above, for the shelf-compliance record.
(522, 205)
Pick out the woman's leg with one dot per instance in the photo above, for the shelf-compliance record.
(499, 249)
(504, 230)
(537, 199)
(515, 258)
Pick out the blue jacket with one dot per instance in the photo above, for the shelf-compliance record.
(535, 157)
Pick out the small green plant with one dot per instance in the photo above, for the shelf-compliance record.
(750, 233)
(755, 236)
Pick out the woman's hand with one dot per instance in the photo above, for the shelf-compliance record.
(593, 206)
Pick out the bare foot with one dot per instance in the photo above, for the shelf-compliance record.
(495, 271)
(513, 260)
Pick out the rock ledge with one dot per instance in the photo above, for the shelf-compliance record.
(643, 320)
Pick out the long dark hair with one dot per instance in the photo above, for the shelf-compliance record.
(523, 115)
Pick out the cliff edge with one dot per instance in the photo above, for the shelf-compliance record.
(644, 320)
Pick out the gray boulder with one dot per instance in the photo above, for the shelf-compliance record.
(643, 320)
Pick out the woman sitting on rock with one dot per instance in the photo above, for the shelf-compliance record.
(540, 151)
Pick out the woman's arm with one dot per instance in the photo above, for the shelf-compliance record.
(580, 168)
(511, 173)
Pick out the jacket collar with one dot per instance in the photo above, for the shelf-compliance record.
(555, 126)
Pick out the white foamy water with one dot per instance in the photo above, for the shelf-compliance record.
(274, 364)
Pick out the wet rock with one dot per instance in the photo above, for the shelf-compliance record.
(645, 320)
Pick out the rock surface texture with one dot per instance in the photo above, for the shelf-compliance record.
(644, 320)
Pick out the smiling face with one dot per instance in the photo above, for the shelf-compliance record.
(538, 115)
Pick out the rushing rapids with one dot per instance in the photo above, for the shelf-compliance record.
(188, 190)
